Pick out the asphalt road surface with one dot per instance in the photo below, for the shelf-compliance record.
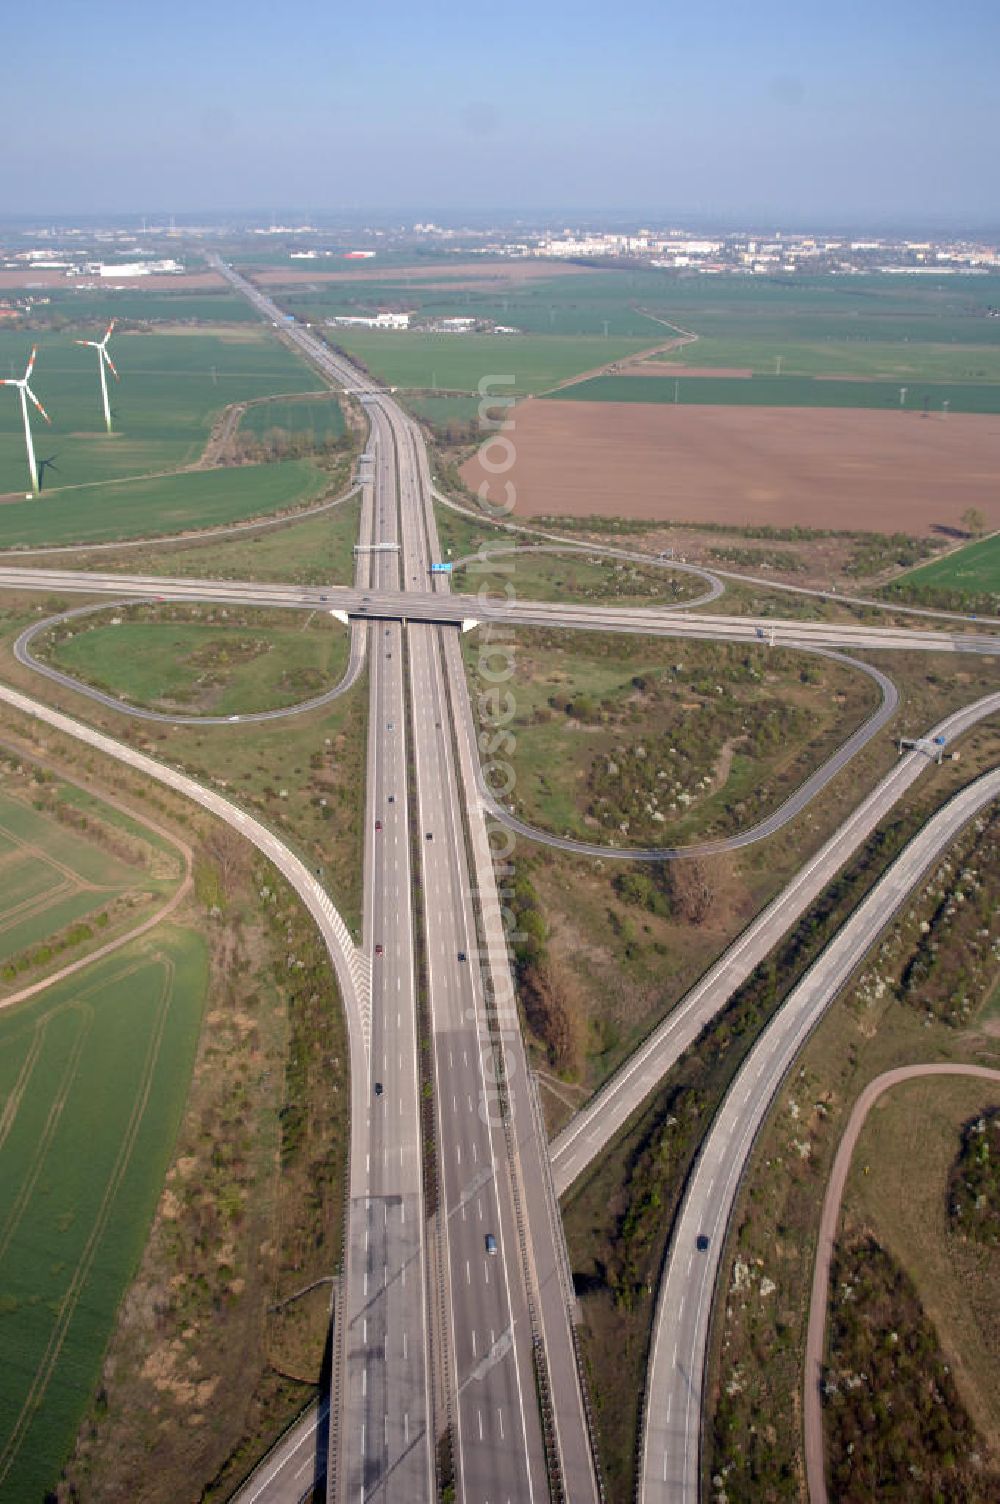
(673, 1412)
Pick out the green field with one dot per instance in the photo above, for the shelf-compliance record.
(321, 418)
(235, 662)
(68, 306)
(862, 357)
(973, 570)
(51, 878)
(591, 303)
(172, 386)
(789, 391)
(167, 504)
(458, 362)
(446, 408)
(926, 328)
(317, 551)
(93, 1076)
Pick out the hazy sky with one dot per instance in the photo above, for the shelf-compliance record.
(871, 109)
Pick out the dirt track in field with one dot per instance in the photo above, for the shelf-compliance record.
(830, 468)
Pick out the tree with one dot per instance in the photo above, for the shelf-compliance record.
(692, 894)
(974, 522)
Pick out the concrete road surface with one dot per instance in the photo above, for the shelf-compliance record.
(673, 1412)
(421, 604)
(589, 1131)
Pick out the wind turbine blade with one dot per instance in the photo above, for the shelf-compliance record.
(31, 362)
(111, 363)
(35, 400)
(91, 342)
(6, 381)
(107, 333)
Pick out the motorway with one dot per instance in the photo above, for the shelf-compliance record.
(422, 605)
(673, 1412)
(436, 1336)
(586, 1135)
(497, 1325)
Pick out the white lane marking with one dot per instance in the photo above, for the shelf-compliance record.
(500, 1421)
(480, 1415)
(468, 1273)
(473, 1342)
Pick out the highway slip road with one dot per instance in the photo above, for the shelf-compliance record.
(589, 1131)
(673, 1412)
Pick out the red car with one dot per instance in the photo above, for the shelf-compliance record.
(378, 824)
(378, 950)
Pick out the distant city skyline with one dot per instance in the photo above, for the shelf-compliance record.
(820, 116)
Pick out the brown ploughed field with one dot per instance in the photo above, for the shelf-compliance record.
(457, 276)
(165, 281)
(829, 468)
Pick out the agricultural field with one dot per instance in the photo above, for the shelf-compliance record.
(321, 418)
(516, 364)
(738, 466)
(69, 308)
(201, 660)
(968, 579)
(554, 301)
(161, 505)
(790, 391)
(74, 874)
(319, 550)
(655, 742)
(173, 384)
(860, 357)
(94, 1076)
(752, 320)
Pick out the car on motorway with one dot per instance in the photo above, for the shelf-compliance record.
(702, 1241)
(378, 824)
(378, 1088)
(462, 956)
(491, 1245)
(378, 950)
(430, 835)
(392, 798)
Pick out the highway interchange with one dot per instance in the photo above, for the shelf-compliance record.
(437, 1337)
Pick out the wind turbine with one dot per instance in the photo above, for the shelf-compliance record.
(26, 392)
(103, 358)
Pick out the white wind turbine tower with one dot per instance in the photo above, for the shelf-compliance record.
(103, 358)
(26, 392)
